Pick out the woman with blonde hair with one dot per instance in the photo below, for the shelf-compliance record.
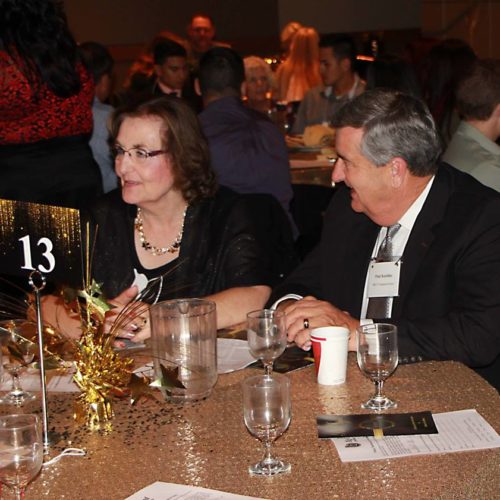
(300, 71)
(286, 37)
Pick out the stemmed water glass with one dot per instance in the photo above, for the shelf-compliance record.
(378, 359)
(21, 353)
(267, 414)
(266, 335)
(21, 451)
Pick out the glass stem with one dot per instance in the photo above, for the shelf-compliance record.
(16, 383)
(268, 368)
(379, 385)
(267, 458)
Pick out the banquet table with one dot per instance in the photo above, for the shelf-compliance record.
(206, 444)
(310, 168)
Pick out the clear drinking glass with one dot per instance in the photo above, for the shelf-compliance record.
(21, 354)
(266, 335)
(184, 345)
(21, 451)
(378, 359)
(267, 414)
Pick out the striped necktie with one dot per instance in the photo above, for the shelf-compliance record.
(378, 307)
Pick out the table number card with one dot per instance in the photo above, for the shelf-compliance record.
(40, 237)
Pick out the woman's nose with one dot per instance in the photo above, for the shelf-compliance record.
(123, 163)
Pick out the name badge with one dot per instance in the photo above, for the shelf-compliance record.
(383, 279)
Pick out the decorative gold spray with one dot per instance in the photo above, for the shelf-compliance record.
(100, 370)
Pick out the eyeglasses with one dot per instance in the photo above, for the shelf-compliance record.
(137, 154)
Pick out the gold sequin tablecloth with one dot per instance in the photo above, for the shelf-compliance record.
(206, 444)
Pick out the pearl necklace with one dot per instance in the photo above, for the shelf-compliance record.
(173, 248)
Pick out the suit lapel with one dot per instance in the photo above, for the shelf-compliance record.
(422, 236)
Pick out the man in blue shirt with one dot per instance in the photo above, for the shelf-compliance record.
(247, 150)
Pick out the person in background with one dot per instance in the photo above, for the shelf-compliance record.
(258, 85)
(337, 57)
(393, 72)
(426, 232)
(170, 67)
(286, 38)
(172, 73)
(300, 71)
(46, 98)
(247, 150)
(441, 71)
(200, 38)
(473, 148)
(170, 232)
(141, 77)
(99, 62)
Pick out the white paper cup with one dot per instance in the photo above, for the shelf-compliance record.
(330, 345)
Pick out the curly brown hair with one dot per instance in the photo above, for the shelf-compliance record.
(182, 138)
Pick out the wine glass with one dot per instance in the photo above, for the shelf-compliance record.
(21, 451)
(266, 336)
(21, 354)
(267, 414)
(377, 359)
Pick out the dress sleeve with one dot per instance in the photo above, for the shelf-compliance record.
(243, 260)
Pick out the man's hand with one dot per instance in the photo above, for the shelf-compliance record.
(313, 313)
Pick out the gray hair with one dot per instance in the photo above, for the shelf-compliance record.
(253, 62)
(395, 125)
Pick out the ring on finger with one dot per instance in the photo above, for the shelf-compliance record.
(306, 323)
(137, 327)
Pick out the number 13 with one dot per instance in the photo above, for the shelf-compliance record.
(25, 240)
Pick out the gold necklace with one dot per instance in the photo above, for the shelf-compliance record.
(173, 248)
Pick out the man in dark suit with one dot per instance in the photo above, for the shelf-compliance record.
(172, 73)
(444, 270)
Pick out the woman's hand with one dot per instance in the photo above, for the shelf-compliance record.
(130, 318)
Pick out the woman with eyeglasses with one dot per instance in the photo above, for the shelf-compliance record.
(170, 232)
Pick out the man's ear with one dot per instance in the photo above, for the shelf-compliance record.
(157, 69)
(399, 170)
(243, 88)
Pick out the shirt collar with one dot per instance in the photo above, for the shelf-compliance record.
(350, 94)
(410, 216)
(167, 90)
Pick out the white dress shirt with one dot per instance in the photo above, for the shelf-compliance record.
(398, 241)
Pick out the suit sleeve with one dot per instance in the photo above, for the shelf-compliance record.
(459, 318)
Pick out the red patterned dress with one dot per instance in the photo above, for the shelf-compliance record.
(44, 151)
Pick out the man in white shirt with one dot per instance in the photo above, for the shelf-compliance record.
(337, 57)
(445, 266)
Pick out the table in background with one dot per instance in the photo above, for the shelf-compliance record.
(312, 191)
(206, 443)
(307, 169)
